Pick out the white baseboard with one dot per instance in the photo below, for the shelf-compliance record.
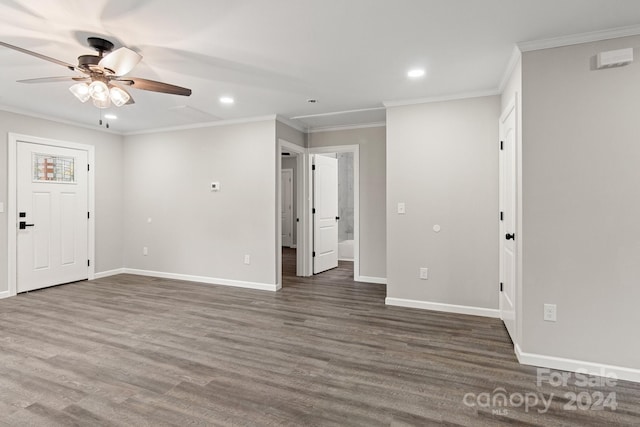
(447, 308)
(4, 294)
(572, 365)
(368, 279)
(203, 279)
(108, 273)
(345, 259)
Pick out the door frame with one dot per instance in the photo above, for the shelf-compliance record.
(12, 180)
(291, 191)
(517, 168)
(302, 267)
(355, 149)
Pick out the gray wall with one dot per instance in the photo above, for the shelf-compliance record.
(581, 169)
(289, 134)
(372, 142)
(195, 231)
(442, 161)
(291, 162)
(108, 188)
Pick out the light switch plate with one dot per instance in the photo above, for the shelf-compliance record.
(550, 311)
(401, 208)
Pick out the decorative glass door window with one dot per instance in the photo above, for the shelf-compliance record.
(48, 168)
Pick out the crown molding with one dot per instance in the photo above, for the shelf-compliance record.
(337, 113)
(592, 36)
(204, 125)
(511, 65)
(347, 127)
(297, 126)
(27, 113)
(451, 97)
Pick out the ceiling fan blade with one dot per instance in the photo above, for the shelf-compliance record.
(121, 61)
(38, 55)
(54, 79)
(154, 86)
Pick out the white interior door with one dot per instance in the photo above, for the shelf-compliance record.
(52, 202)
(287, 207)
(325, 217)
(508, 219)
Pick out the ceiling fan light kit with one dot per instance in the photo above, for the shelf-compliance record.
(99, 90)
(81, 91)
(100, 71)
(118, 96)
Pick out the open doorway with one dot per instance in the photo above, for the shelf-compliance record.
(288, 212)
(291, 212)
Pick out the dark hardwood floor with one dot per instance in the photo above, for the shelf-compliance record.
(136, 351)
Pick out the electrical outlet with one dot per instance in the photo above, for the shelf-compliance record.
(401, 208)
(424, 273)
(145, 251)
(247, 259)
(550, 312)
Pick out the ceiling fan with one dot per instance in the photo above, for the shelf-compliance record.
(104, 75)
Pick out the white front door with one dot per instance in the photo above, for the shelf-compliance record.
(287, 207)
(508, 235)
(52, 205)
(325, 217)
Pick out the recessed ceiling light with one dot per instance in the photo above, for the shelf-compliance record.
(226, 100)
(414, 74)
(110, 116)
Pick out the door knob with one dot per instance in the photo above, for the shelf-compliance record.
(511, 236)
(23, 225)
(337, 218)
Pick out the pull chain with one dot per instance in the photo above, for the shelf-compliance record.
(100, 120)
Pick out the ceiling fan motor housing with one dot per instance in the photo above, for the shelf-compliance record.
(90, 63)
(99, 44)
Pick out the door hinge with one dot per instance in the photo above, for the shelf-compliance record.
(88, 263)
(314, 254)
(502, 145)
(88, 167)
(88, 215)
(313, 167)
(314, 211)
(501, 286)
(501, 216)
(297, 219)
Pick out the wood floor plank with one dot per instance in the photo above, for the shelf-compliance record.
(134, 351)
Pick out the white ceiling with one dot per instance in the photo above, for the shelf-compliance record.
(272, 56)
